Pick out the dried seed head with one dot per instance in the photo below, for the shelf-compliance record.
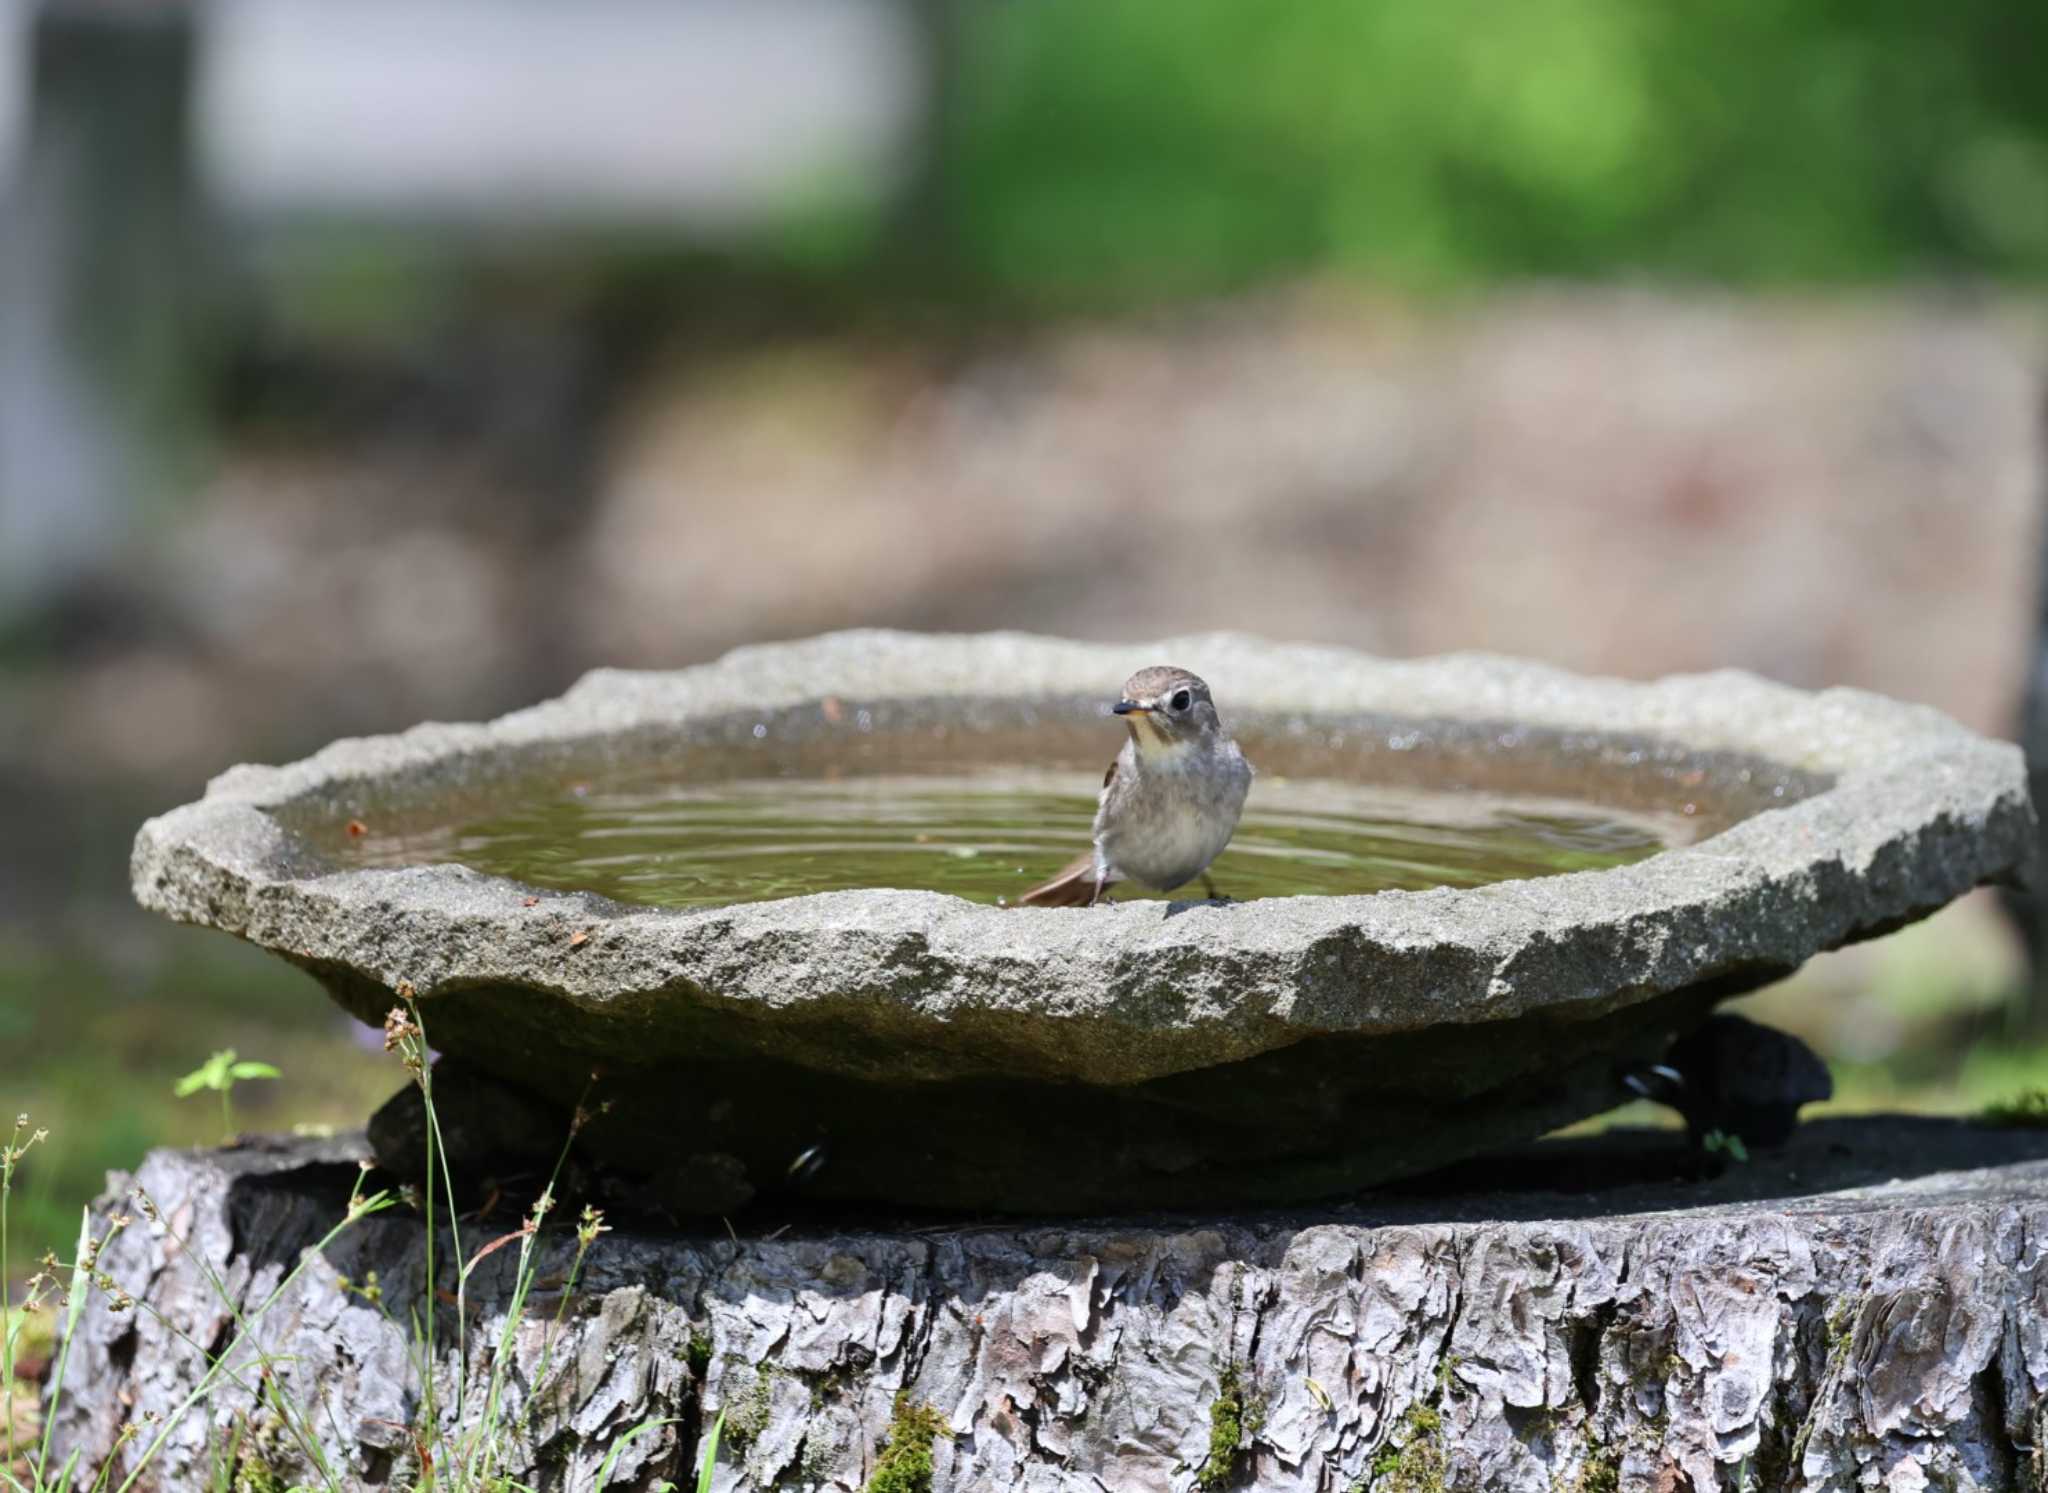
(399, 1029)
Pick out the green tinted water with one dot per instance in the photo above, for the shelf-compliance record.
(989, 836)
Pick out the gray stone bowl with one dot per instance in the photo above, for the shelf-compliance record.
(917, 1048)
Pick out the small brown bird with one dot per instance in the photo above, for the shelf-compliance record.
(1170, 801)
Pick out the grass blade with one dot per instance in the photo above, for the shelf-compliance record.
(611, 1458)
(710, 1454)
(74, 1308)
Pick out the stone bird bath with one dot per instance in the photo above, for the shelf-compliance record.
(913, 1047)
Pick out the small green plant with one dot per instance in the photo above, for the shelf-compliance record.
(905, 1462)
(221, 1073)
(1725, 1143)
(459, 1448)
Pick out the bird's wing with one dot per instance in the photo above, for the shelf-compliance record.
(1074, 886)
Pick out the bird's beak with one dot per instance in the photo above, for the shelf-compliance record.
(1128, 707)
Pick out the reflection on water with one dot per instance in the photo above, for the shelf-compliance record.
(989, 835)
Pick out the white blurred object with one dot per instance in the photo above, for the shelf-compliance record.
(710, 113)
(92, 243)
(14, 24)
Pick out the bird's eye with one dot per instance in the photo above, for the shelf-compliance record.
(1181, 700)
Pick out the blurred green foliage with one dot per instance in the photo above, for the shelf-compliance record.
(97, 1032)
(1100, 150)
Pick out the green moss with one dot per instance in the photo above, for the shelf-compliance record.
(1600, 1472)
(697, 1353)
(1418, 1464)
(1235, 1416)
(253, 1475)
(1600, 1468)
(827, 1386)
(256, 1453)
(905, 1463)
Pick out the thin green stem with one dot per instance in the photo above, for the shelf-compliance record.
(309, 1444)
(438, 1156)
(554, 1332)
(7, 1327)
(516, 1309)
(375, 1203)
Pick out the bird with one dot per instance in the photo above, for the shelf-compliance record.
(1169, 802)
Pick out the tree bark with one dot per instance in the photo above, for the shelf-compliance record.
(1788, 1324)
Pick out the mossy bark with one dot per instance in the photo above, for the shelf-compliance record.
(1752, 1331)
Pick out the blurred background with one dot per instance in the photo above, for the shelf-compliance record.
(363, 364)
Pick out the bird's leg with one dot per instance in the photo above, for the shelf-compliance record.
(1209, 886)
(1101, 883)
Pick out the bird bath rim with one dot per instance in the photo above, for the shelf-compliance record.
(1903, 810)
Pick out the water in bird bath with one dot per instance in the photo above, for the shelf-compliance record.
(988, 834)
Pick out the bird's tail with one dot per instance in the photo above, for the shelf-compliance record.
(1074, 886)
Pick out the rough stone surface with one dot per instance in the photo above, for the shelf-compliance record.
(1864, 1310)
(1269, 1049)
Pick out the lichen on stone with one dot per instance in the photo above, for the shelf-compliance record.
(747, 1412)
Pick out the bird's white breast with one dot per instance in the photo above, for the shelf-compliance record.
(1184, 808)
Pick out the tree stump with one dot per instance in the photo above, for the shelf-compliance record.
(1867, 1308)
